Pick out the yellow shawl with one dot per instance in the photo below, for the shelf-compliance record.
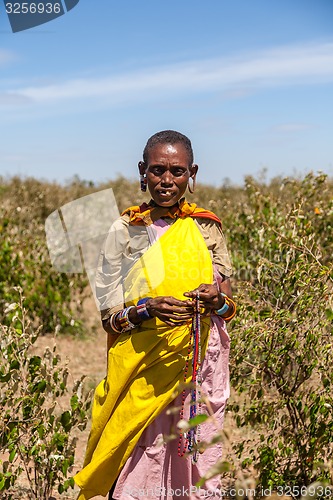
(145, 366)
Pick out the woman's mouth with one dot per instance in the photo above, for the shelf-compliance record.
(165, 193)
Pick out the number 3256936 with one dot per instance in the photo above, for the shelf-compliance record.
(33, 8)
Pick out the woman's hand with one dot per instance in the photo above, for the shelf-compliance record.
(210, 297)
(170, 310)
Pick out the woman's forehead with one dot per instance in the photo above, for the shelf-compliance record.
(171, 149)
(166, 150)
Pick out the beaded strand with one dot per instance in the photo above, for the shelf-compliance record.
(191, 438)
(182, 450)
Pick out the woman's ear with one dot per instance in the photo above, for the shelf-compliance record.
(142, 167)
(143, 176)
(193, 170)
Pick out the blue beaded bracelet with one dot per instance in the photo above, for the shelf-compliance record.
(141, 309)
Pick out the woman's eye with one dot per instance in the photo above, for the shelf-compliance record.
(157, 170)
(179, 172)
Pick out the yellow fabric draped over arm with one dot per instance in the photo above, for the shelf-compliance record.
(145, 366)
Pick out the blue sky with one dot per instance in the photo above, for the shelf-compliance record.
(250, 82)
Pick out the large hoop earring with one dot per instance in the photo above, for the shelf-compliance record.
(143, 182)
(191, 188)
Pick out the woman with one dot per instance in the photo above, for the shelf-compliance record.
(158, 260)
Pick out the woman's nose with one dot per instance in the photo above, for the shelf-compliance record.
(167, 178)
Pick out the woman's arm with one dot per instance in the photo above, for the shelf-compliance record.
(168, 309)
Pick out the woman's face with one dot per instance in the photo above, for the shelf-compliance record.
(168, 172)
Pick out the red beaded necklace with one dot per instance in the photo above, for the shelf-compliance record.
(189, 440)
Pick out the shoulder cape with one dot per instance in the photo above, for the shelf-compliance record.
(146, 214)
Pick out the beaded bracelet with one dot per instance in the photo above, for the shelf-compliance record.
(225, 306)
(123, 319)
(223, 309)
(141, 309)
(113, 319)
(228, 303)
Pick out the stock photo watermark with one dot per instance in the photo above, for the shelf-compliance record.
(24, 15)
(312, 491)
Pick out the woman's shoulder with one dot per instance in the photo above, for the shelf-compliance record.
(209, 226)
(211, 231)
(200, 214)
(118, 225)
(207, 219)
(122, 220)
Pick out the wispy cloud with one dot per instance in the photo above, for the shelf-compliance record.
(281, 66)
(292, 127)
(6, 56)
